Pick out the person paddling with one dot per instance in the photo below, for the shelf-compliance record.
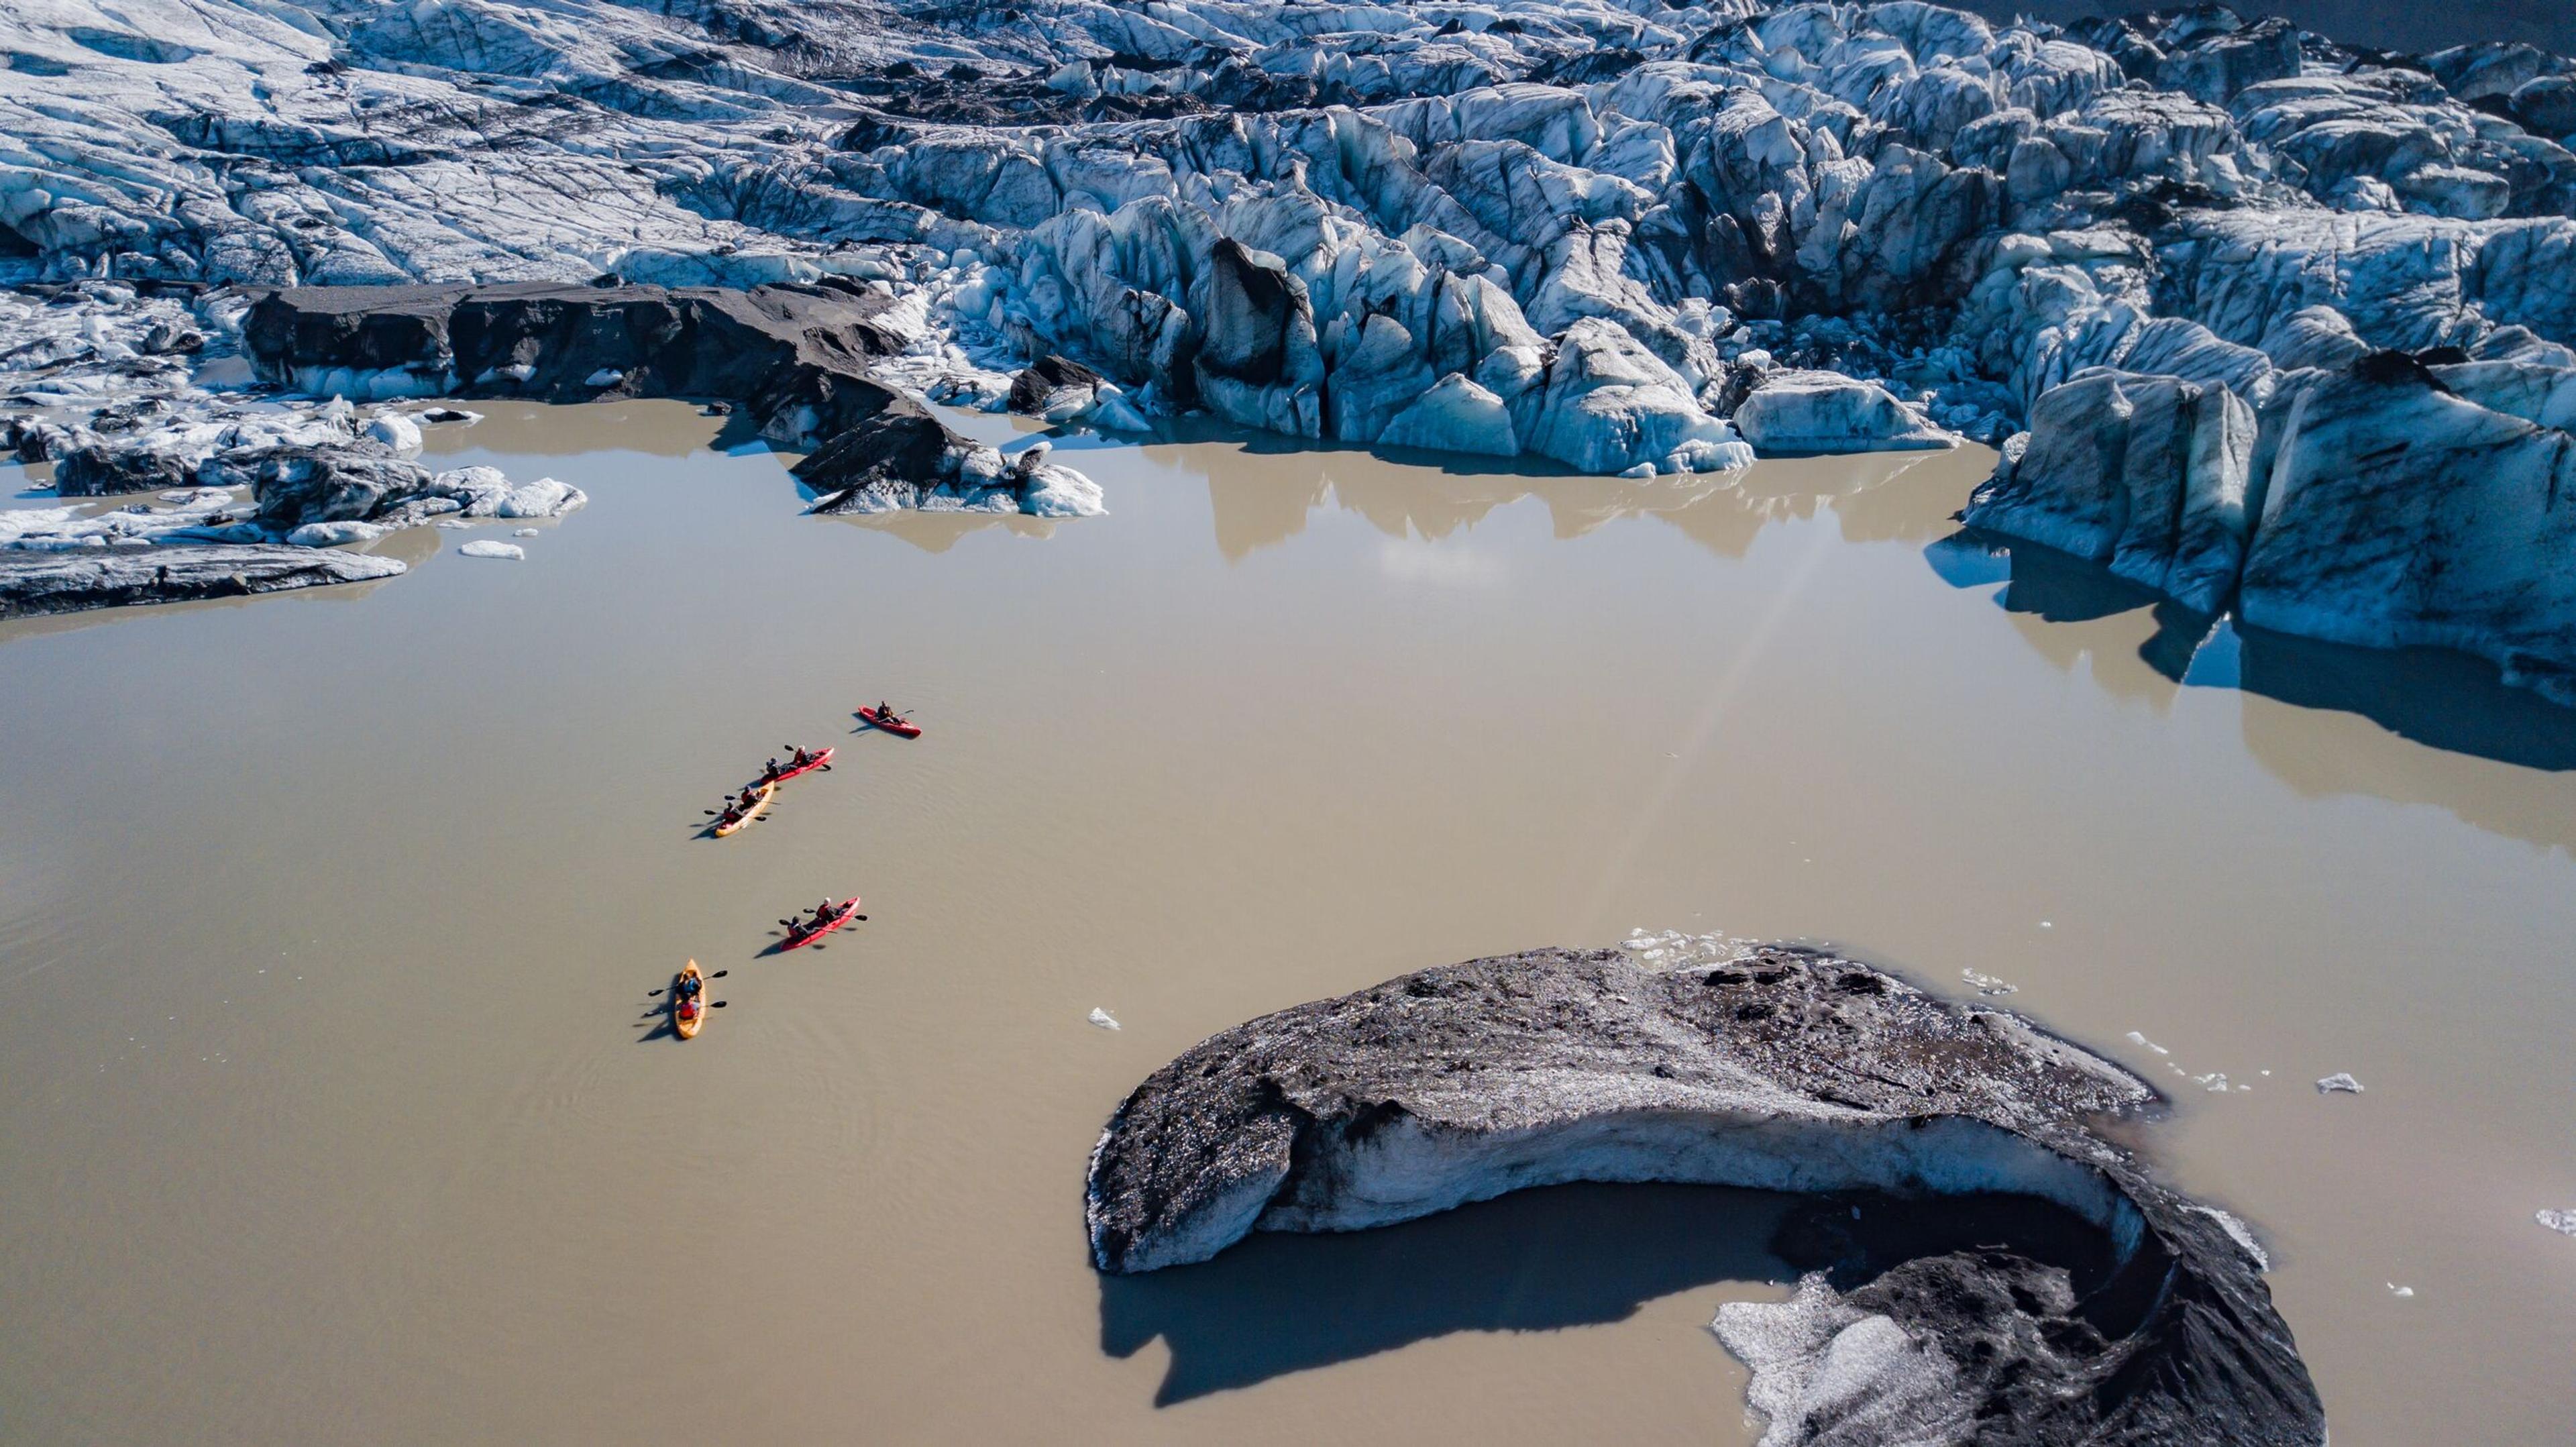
(886, 713)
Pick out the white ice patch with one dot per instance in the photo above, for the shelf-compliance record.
(2339, 1083)
(2137, 1039)
(2562, 1222)
(2238, 1232)
(1987, 984)
(1103, 1019)
(325, 535)
(1824, 1368)
(398, 432)
(1676, 950)
(488, 548)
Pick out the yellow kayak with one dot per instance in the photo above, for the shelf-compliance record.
(759, 806)
(689, 1016)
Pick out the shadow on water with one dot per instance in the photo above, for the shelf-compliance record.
(1531, 1261)
(2445, 701)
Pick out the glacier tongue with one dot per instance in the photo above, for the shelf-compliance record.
(1628, 237)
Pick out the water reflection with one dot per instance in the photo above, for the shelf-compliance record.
(1262, 491)
(937, 532)
(2421, 725)
(1531, 1261)
(654, 427)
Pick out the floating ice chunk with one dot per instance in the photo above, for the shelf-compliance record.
(2339, 1083)
(487, 548)
(324, 535)
(2396, 1290)
(453, 524)
(2562, 1222)
(397, 432)
(1060, 492)
(523, 532)
(604, 377)
(1987, 984)
(2213, 1081)
(1103, 1018)
(2138, 1039)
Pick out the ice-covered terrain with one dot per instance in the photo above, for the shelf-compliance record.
(2144, 1319)
(1631, 237)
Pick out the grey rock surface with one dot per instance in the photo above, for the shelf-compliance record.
(68, 582)
(1774, 1067)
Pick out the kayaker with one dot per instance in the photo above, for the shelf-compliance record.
(689, 987)
(802, 758)
(770, 770)
(730, 817)
(886, 713)
(749, 798)
(822, 916)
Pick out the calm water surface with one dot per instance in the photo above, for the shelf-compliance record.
(328, 923)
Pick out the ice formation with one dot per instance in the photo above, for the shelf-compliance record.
(2179, 249)
(1775, 1067)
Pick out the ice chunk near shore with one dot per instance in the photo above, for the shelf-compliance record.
(1793, 412)
(1053, 491)
(1456, 415)
(486, 493)
(490, 548)
(396, 431)
(1103, 1019)
(1987, 984)
(332, 534)
(2339, 1083)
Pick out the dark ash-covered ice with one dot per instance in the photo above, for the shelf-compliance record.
(1782, 1068)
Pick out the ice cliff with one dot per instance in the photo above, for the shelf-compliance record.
(1627, 236)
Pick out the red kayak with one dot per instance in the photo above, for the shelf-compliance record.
(807, 767)
(799, 936)
(890, 723)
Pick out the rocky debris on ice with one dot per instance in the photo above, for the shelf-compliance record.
(1056, 389)
(228, 472)
(795, 355)
(904, 458)
(1779, 1068)
(69, 581)
(2382, 501)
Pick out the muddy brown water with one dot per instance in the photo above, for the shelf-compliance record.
(327, 924)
